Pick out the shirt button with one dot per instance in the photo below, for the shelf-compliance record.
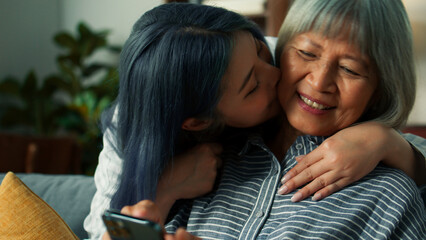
(299, 146)
(259, 214)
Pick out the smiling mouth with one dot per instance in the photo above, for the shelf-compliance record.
(313, 104)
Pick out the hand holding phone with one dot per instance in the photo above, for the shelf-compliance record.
(124, 227)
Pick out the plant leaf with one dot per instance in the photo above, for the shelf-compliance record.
(84, 31)
(115, 49)
(10, 86)
(29, 89)
(65, 40)
(93, 68)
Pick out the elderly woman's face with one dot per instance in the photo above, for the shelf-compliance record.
(326, 83)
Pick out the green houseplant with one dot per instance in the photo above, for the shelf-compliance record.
(68, 102)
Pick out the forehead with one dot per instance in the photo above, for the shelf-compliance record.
(241, 60)
(319, 39)
(346, 29)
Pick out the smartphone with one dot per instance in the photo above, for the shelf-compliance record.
(124, 227)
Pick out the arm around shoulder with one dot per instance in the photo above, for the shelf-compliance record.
(418, 145)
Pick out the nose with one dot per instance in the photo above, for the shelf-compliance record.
(322, 77)
(269, 73)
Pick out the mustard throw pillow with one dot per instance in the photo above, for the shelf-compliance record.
(24, 215)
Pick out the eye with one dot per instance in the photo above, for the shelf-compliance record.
(263, 52)
(306, 55)
(350, 72)
(259, 47)
(253, 89)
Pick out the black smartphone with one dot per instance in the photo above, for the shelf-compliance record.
(123, 227)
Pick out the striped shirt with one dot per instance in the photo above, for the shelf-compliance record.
(386, 204)
(108, 173)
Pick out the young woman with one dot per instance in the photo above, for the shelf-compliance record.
(186, 71)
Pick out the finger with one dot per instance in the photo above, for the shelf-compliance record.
(148, 210)
(182, 234)
(216, 148)
(169, 237)
(299, 158)
(208, 162)
(126, 210)
(302, 164)
(330, 189)
(144, 209)
(106, 236)
(317, 184)
(307, 175)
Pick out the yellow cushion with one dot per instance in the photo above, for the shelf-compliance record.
(24, 215)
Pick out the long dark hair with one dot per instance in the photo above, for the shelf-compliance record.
(170, 69)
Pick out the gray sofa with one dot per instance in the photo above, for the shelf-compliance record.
(69, 195)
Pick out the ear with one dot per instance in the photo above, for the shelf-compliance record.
(195, 124)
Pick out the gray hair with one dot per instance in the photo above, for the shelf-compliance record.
(381, 29)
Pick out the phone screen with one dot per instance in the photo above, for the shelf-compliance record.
(123, 227)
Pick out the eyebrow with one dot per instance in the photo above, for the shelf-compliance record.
(357, 59)
(313, 43)
(247, 78)
(347, 56)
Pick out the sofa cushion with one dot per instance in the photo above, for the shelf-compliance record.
(69, 195)
(24, 215)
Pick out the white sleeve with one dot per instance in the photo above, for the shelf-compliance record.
(272, 44)
(107, 177)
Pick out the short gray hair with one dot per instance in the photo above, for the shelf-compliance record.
(382, 30)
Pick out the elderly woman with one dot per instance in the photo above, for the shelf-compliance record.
(343, 62)
(338, 69)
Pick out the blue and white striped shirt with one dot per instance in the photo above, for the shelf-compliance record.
(386, 204)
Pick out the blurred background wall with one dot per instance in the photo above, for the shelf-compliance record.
(27, 28)
(417, 12)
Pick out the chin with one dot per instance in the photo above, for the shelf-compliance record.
(317, 133)
(304, 129)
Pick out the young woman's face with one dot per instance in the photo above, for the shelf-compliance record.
(326, 83)
(249, 95)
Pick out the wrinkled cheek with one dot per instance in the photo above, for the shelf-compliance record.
(290, 64)
(360, 106)
(348, 117)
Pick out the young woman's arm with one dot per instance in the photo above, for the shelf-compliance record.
(349, 155)
(107, 175)
(418, 145)
(192, 174)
